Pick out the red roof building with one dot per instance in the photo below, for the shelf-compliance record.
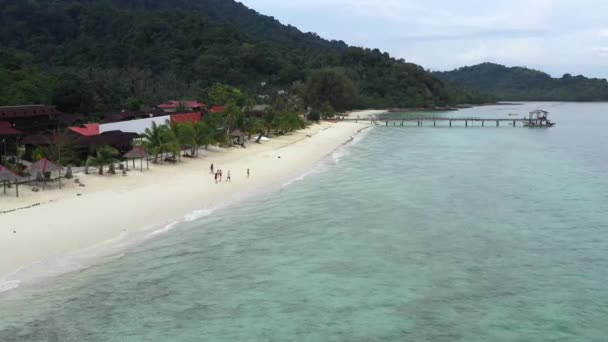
(7, 129)
(173, 105)
(31, 119)
(216, 109)
(86, 130)
(192, 118)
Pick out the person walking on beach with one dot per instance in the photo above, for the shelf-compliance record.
(217, 174)
(220, 171)
(211, 167)
(228, 177)
(247, 172)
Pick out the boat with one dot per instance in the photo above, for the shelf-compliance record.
(512, 114)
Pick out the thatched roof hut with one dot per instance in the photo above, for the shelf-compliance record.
(7, 176)
(138, 152)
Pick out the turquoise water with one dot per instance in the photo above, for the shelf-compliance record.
(415, 234)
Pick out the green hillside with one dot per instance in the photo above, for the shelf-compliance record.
(522, 84)
(106, 54)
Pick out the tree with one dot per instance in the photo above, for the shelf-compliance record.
(204, 135)
(233, 118)
(253, 125)
(159, 139)
(222, 94)
(186, 136)
(330, 87)
(104, 155)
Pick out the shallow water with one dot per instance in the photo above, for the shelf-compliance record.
(421, 234)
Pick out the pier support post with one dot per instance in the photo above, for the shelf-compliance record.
(434, 123)
(483, 123)
(387, 123)
(497, 123)
(513, 123)
(466, 123)
(450, 123)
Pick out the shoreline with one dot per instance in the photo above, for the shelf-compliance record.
(116, 210)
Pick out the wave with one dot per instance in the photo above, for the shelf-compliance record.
(115, 248)
(332, 158)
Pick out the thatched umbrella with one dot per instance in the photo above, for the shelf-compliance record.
(138, 152)
(239, 136)
(7, 175)
(43, 166)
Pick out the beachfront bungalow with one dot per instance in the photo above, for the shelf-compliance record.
(258, 111)
(190, 106)
(9, 137)
(191, 118)
(138, 126)
(35, 119)
(122, 141)
(217, 109)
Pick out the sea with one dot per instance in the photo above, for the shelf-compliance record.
(405, 234)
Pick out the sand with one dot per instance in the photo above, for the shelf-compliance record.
(365, 114)
(110, 206)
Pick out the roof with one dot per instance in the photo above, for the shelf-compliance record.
(114, 138)
(7, 175)
(123, 116)
(187, 117)
(188, 104)
(216, 109)
(27, 111)
(86, 129)
(44, 165)
(260, 108)
(137, 152)
(237, 133)
(7, 129)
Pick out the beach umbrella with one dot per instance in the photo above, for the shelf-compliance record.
(138, 152)
(7, 175)
(43, 166)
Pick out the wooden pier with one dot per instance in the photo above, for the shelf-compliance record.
(537, 118)
(450, 122)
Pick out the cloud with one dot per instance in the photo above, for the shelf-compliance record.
(560, 36)
(601, 51)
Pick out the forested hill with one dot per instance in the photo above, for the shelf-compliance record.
(522, 84)
(101, 55)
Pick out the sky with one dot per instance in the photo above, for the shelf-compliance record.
(555, 36)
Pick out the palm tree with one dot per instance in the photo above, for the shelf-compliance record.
(204, 134)
(104, 155)
(186, 136)
(252, 126)
(159, 139)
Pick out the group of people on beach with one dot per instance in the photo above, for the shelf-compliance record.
(218, 174)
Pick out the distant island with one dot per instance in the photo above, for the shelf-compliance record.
(523, 84)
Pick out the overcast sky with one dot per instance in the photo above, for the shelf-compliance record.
(556, 36)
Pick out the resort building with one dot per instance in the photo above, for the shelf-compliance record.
(188, 106)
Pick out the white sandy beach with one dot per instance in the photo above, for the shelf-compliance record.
(365, 114)
(76, 218)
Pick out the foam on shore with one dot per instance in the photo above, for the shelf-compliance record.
(82, 257)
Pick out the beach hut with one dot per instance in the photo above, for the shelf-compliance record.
(7, 175)
(135, 153)
(238, 137)
(43, 166)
